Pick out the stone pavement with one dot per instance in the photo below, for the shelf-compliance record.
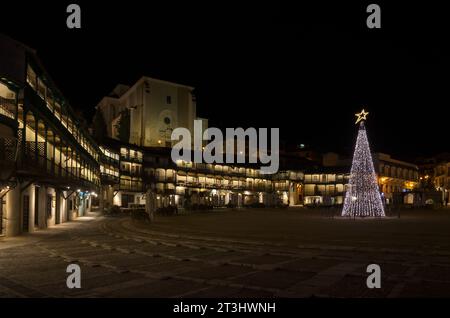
(248, 253)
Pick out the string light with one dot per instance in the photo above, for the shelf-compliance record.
(363, 196)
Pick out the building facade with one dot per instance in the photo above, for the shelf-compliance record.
(139, 171)
(48, 161)
(326, 185)
(52, 170)
(395, 176)
(154, 107)
(441, 179)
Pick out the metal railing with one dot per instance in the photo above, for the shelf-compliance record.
(137, 159)
(7, 149)
(34, 159)
(8, 107)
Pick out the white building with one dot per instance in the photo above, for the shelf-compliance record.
(156, 107)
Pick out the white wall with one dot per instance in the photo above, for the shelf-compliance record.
(152, 94)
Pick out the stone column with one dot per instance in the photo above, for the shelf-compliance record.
(12, 210)
(101, 205)
(73, 199)
(150, 204)
(82, 206)
(58, 217)
(89, 203)
(109, 196)
(42, 208)
(292, 193)
(62, 206)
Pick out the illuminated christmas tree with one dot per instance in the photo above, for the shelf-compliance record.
(363, 196)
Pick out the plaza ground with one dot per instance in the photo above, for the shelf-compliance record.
(293, 252)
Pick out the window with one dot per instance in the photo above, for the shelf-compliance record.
(168, 99)
(167, 120)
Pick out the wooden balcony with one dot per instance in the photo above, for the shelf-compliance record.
(33, 164)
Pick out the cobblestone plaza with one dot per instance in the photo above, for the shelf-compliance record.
(246, 253)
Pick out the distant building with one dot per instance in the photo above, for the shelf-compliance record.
(327, 184)
(395, 175)
(426, 172)
(441, 176)
(155, 108)
(130, 168)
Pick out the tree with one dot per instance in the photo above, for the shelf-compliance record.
(363, 196)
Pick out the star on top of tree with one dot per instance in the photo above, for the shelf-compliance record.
(361, 116)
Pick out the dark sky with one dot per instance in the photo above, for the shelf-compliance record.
(304, 69)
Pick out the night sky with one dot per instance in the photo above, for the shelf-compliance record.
(304, 69)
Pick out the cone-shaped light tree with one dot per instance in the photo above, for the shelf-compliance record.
(363, 196)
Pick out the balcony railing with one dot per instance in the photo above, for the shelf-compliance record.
(108, 160)
(131, 173)
(7, 149)
(34, 160)
(7, 107)
(109, 178)
(128, 158)
(131, 187)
